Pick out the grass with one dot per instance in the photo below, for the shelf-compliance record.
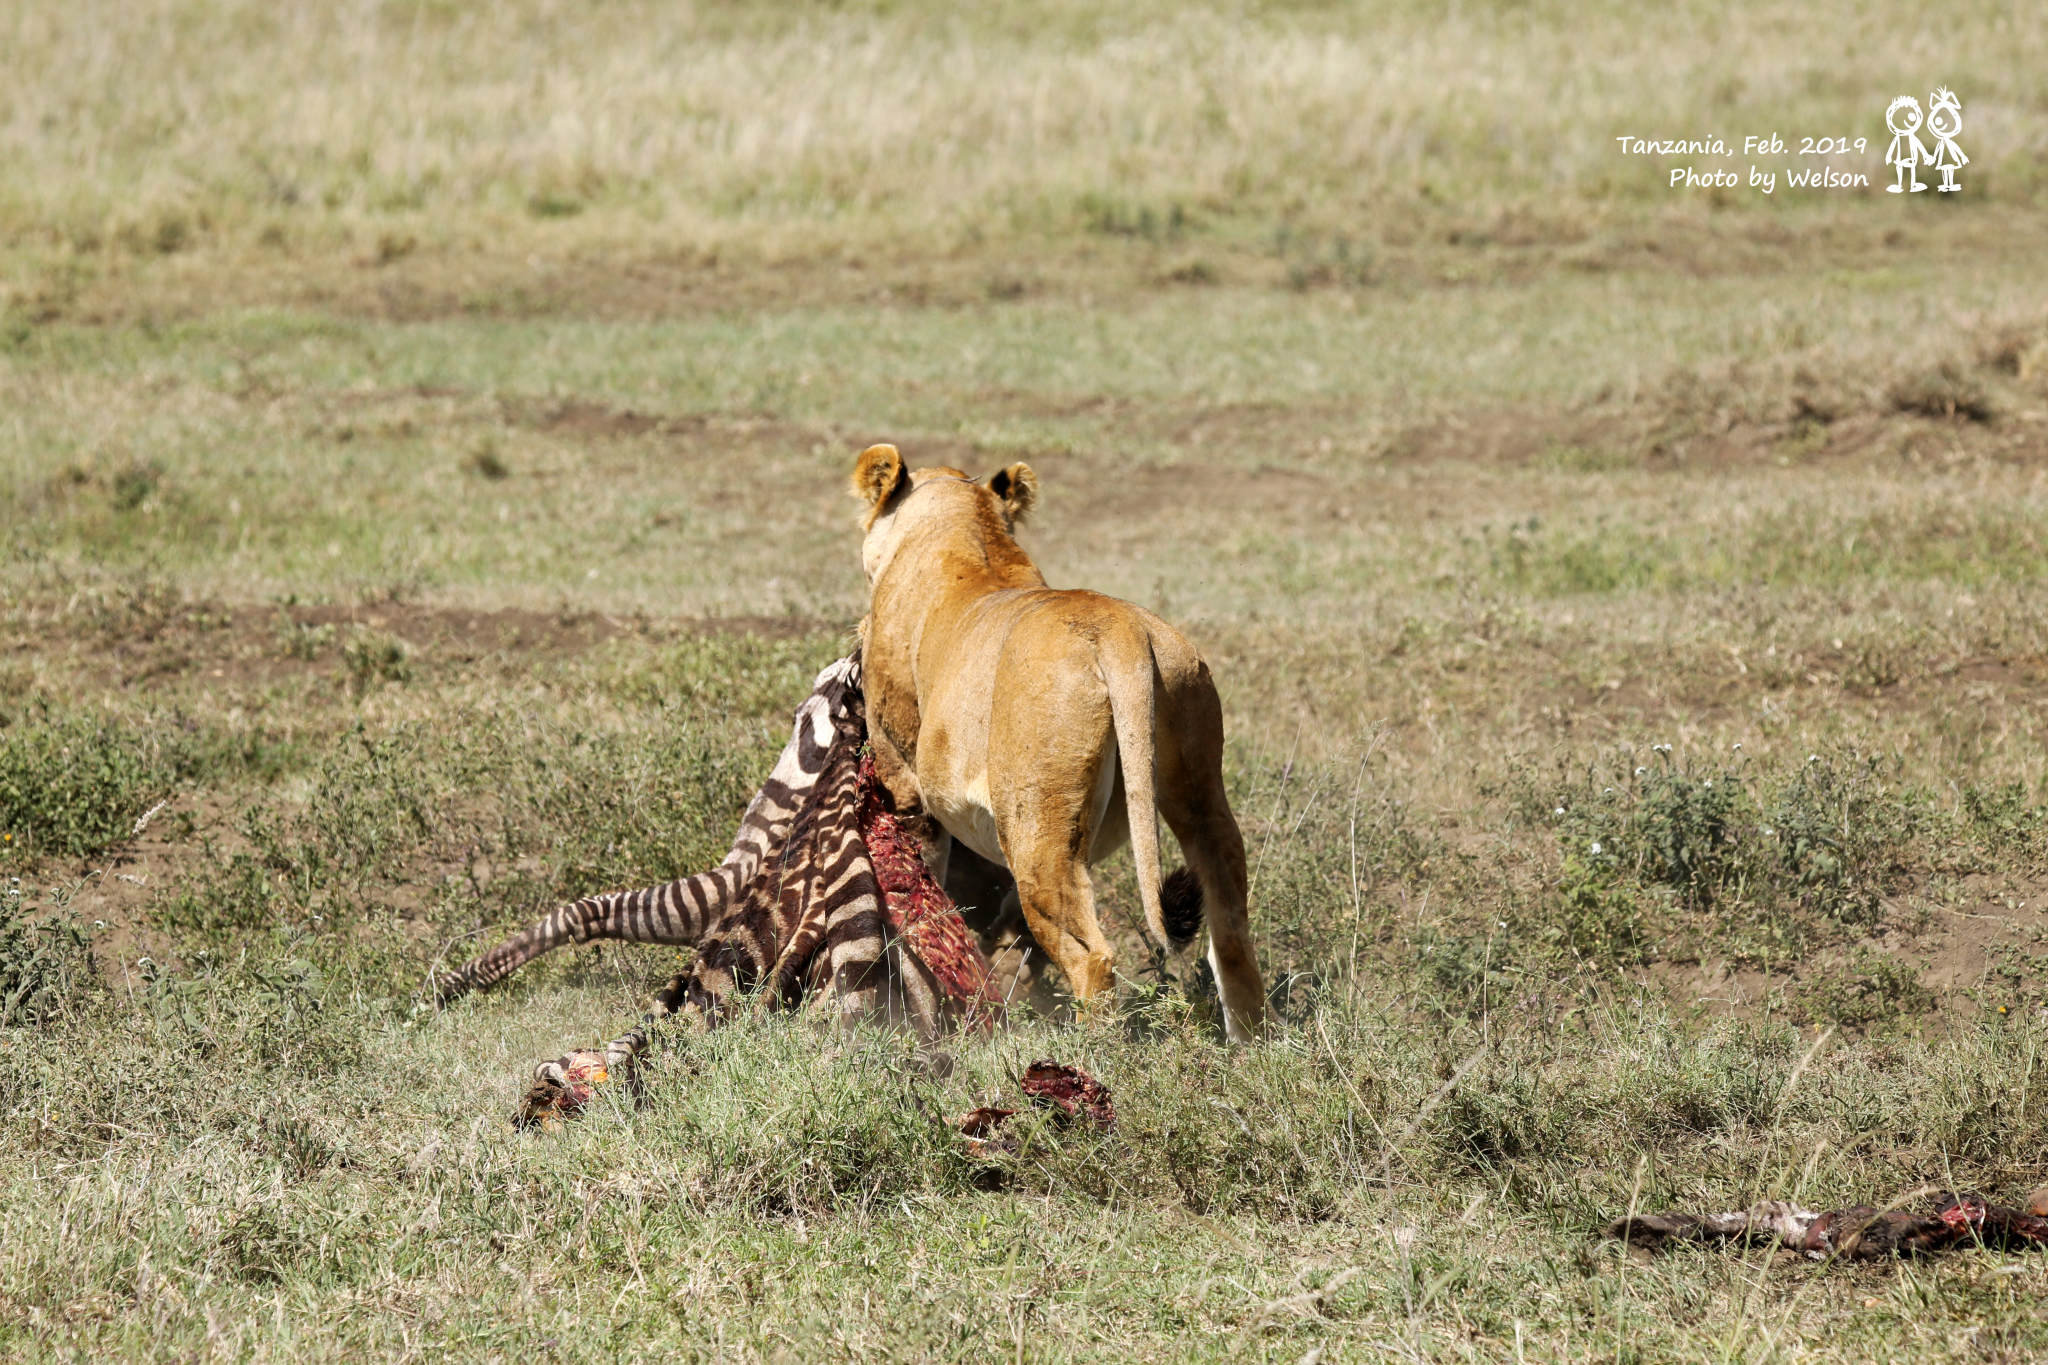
(885, 124)
(421, 502)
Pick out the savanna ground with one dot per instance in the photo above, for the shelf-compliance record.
(423, 454)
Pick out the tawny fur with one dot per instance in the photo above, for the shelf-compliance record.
(1042, 728)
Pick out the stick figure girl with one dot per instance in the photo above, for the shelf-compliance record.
(1907, 151)
(1944, 121)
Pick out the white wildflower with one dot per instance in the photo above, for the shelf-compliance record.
(143, 823)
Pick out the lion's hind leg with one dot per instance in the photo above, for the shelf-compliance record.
(1215, 852)
(1059, 907)
(1196, 808)
(1045, 831)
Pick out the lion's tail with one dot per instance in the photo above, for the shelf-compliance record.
(1173, 911)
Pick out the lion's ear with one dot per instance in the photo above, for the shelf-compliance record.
(1017, 486)
(877, 474)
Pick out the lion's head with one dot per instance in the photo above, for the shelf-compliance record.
(903, 504)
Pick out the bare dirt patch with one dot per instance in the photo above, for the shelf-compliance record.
(534, 271)
(1598, 442)
(1940, 963)
(254, 647)
(1513, 438)
(1091, 496)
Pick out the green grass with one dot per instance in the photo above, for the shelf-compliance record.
(793, 1189)
(358, 444)
(423, 499)
(72, 786)
(790, 1192)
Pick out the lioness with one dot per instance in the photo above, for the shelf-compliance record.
(1043, 728)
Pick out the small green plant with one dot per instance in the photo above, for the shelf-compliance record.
(300, 640)
(46, 968)
(1599, 915)
(1691, 827)
(1467, 971)
(1605, 557)
(1947, 390)
(133, 485)
(1871, 988)
(1118, 218)
(552, 204)
(172, 234)
(1771, 858)
(486, 462)
(1845, 828)
(2003, 816)
(1665, 825)
(1315, 262)
(1585, 459)
(241, 897)
(1876, 664)
(73, 785)
(375, 657)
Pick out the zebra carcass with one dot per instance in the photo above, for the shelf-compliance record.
(823, 899)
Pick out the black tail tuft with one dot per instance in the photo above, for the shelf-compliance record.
(1180, 906)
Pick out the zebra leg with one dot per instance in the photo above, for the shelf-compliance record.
(681, 912)
(564, 1088)
(677, 913)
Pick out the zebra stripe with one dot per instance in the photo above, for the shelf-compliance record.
(808, 920)
(680, 913)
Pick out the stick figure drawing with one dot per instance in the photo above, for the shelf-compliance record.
(1907, 151)
(1944, 121)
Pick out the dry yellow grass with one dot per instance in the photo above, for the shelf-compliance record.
(790, 127)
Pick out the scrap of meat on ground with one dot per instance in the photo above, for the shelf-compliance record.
(1859, 1233)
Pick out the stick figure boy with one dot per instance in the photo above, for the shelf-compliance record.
(1907, 151)
(1944, 121)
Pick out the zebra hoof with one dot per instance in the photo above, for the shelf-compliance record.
(566, 1087)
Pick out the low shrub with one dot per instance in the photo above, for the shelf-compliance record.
(46, 967)
(75, 785)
